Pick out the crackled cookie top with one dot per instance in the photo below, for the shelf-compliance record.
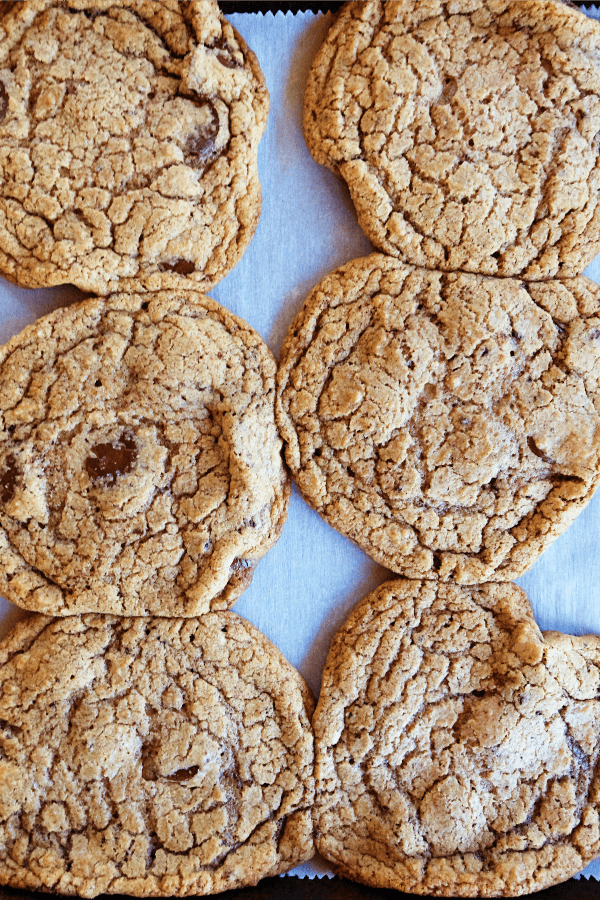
(457, 746)
(140, 465)
(466, 131)
(150, 756)
(447, 423)
(128, 140)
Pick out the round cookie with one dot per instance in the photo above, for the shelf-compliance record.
(151, 757)
(465, 130)
(140, 465)
(128, 138)
(456, 746)
(447, 423)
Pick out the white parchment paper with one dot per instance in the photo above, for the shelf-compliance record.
(306, 586)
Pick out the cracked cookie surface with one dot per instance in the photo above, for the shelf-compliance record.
(128, 140)
(466, 130)
(151, 756)
(456, 746)
(140, 465)
(447, 423)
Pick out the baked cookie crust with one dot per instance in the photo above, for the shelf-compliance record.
(447, 423)
(128, 138)
(456, 745)
(465, 130)
(151, 756)
(140, 464)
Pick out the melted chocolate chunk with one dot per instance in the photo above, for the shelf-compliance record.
(536, 450)
(225, 53)
(200, 145)
(110, 460)
(181, 266)
(574, 479)
(3, 102)
(183, 774)
(8, 479)
(228, 61)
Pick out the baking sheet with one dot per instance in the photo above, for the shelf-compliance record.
(306, 586)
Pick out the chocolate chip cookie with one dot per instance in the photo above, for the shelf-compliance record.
(128, 140)
(140, 465)
(466, 131)
(456, 745)
(447, 423)
(151, 756)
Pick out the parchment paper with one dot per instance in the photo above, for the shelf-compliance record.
(306, 586)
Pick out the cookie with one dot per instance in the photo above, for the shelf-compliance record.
(466, 131)
(151, 756)
(447, 423)
(128, 140)
(140, 465)
(456, 746)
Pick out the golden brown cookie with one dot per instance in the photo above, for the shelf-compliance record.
(151, 756)
(456, 745)
(466, 131)
(447, 423)
(128, 138)
(140, 465)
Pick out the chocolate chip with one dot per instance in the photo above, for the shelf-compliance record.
(224, 53)
(8, 479)
(536, 450)
(183, 774)
(200, 145)
(3, 102)
(181, 266)
(110, 460)
(228, 61)
(574, 479)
